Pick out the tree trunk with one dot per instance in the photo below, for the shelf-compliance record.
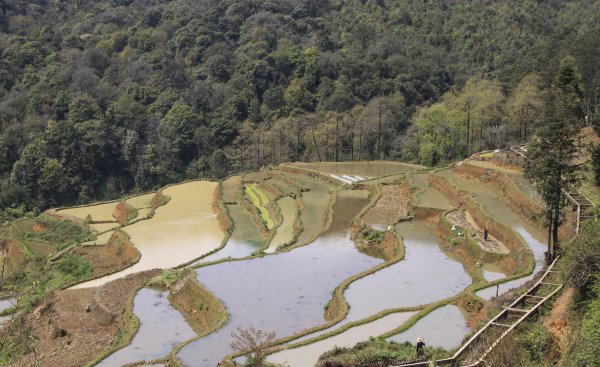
(337, 134)
(555, 230)
(379, 132)
(316, 145)
(550, 247)
(360, 144)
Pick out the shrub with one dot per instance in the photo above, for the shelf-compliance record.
(582, 257)
(75, 267)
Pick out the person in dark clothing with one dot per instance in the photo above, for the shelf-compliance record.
(420, 346)
(485, 234)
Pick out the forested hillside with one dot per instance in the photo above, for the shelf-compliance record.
(99, 98)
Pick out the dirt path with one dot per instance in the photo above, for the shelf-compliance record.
(75, 326)
(558, 320)
(462, 219)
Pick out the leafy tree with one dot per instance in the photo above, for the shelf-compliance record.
(596, 164)
(177, 132)
(219, 164)
(52, 181)
(524, 106)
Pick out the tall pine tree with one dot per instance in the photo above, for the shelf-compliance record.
(551, 156)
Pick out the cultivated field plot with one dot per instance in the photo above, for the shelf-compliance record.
(289, 250)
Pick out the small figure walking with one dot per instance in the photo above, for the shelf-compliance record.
(420, 345)
(485, 234)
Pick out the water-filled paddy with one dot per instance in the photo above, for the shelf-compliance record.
(364, 169)
(492, 272)
(141, 201)
(180, 231)
(104, 227)
(316, 202)
(495, 206)
(245, 239)
(285, 232)
(538, 249)
(101, 239)
(5, 304)
(308, 355)
(425, 275)
(445, 327)
(517, 177)
(285, 292)
(161, 328)
(100, 212)
(429, 197)
(231, 189)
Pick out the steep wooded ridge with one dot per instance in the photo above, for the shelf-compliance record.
(100, 98)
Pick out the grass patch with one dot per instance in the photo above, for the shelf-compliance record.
(62, 232)
(374, 352)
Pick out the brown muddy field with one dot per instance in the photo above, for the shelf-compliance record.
(69, 335)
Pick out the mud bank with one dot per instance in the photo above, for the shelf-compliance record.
(74, 327)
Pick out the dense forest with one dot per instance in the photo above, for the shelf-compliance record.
(100, 98)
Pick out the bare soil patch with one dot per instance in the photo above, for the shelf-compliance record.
(74, 326)
(462, 219)
(119, 253)
(558, 320)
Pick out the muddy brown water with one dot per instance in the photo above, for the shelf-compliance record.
(308, 355)
(445, 327)
(180, 231)
(364, 169)
(141, 201)
(97, 212)
(161, 328)
(284, 292)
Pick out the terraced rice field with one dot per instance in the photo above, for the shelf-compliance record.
(98, 212)
(316, 201)
(285, 232)
(429, 197)
(180, 231)
(287, 291)
(363, 169)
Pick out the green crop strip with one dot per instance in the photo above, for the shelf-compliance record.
(259, 199)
